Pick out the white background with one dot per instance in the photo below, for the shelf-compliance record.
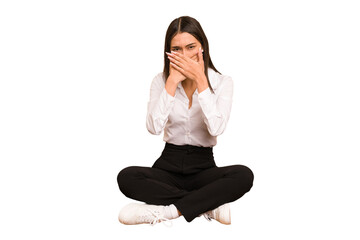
(75, 78)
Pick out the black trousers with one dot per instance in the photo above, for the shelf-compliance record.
(187, 177)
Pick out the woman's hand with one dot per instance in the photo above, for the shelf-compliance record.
(175, 75)
(191, 69)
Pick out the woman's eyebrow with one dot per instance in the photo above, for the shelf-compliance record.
(185, 46)
(190, 44)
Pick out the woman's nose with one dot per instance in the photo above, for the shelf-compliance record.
(182, 52)
(187, 54)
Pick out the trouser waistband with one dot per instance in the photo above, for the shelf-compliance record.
(187, 147)
(185, 159)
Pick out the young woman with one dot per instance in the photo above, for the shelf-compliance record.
(191, 102)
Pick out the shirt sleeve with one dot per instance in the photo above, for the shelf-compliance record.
(217, 108)
(159, 106)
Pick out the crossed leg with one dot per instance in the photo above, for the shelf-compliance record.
(192, 195)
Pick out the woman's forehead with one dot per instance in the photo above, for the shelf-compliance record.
(183, 39)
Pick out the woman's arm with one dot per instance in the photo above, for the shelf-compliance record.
(160, 104)
(217, 109)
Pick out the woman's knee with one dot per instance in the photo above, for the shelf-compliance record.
(125, 177)
(245, 175)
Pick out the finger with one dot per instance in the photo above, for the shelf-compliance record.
(171, 67)
(195, 57)
(177, 67)
(173, 60)
(201, 57)
(174, 57)
(178, 56)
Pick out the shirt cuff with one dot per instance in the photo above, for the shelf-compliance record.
(205, 93)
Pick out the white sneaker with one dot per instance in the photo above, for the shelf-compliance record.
(136, 213)
(220, 214)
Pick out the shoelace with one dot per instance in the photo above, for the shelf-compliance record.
(156, 218)
(207, 216)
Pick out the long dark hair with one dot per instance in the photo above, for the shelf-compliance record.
(193, 27)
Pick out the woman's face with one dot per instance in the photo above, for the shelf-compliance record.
(186, 44)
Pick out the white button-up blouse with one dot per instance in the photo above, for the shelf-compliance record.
(197, 126)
